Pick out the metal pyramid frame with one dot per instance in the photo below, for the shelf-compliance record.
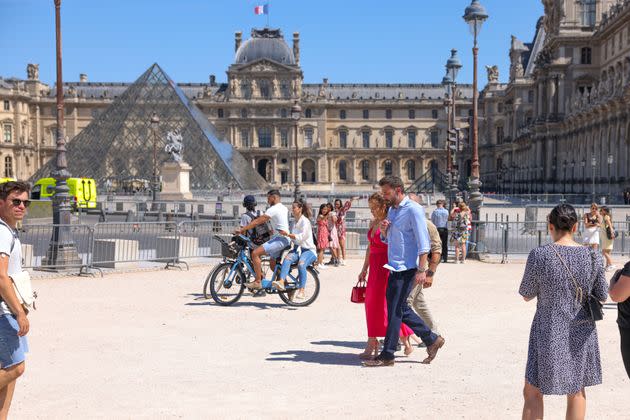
(118, 143)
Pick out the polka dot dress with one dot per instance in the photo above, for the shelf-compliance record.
(563, 352)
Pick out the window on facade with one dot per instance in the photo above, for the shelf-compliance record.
(500, 107)
(308, 113)
(8, 167)
(411, 169)
(284, 89)
(388, 114)
(245, 137)
(366, 139)
(585, 56)
(366, 114)
(435, 140)
(343, 139)
(388, 168)
(588, 12)
(246, 90)
(284, 137)
(308, 137)
(470, 112)
(500, 134)
(7, 105)
(283, 113)
(263, 86)
(8, 133)
(264, 137)
(411, 139)
(530, 96)
(343, 170)
(389, 139)
(342, 114)
(243, 113)
(412, 114)
(365, 170)
(284, 177)
(220, 112)
(434, 114)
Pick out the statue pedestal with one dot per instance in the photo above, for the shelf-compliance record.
(175, 181)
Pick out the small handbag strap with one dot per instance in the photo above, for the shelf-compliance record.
(579, 293)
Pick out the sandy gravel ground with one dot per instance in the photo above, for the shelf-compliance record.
(145, 345)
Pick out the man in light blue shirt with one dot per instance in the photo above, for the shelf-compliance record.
(439, 217)
(405, 232)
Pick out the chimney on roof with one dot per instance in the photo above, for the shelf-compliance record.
(83, 78)
(238, 37)
(325, 81)
(213, 80)
(296, 47)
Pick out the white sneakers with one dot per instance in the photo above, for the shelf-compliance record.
(342, 261)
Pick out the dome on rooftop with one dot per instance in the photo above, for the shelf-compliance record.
(265, 43)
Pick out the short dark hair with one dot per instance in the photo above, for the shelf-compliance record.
(273, 192)
(392, 182)
(563, 217)
(7, 188)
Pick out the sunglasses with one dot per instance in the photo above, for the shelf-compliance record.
(16, 202)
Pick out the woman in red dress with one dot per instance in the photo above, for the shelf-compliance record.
(375, 300)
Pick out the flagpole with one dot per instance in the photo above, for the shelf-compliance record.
(268, 3)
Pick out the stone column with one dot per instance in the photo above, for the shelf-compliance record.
(551, 96)
(561, 94)
(539, 101)
(274, 168)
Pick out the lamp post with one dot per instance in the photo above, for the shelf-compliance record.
(453, 65)
(62, 252)
(475, 15)
(155, 182)
(593, 165)
(296, 113)
(610, 162)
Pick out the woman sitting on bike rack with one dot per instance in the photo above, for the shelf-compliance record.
(304, 251)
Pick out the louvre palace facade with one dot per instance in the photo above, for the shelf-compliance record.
(348, 134)
(561, 124)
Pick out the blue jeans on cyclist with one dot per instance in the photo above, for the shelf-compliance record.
(304, 259)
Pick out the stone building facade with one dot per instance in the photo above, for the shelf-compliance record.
(348, 134)
(561, 123)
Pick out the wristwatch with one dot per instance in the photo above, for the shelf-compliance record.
(430, 273)
(421, 270)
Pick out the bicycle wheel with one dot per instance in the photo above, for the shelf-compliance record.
(227, 285)
(305, 296)
(206, 284)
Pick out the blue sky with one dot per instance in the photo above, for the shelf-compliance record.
(365, 41)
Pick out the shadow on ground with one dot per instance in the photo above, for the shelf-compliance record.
(199, 300)
(323, 358)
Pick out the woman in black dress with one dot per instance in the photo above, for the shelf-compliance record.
(620, 292)
(563, 355)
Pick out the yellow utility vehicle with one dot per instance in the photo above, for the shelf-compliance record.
(82, 191)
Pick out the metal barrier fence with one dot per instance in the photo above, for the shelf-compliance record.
(39, 252)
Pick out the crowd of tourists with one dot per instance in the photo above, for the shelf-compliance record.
(599, 232)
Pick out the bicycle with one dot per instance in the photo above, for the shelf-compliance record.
(226, 282)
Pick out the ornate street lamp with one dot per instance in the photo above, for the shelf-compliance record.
(296, 113)
(610, 162)
(593, 165)
(453, 65)
(475, 15)
(62, 252)
(155, 182)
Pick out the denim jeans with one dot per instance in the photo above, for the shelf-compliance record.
(399, 286)
(306, 258)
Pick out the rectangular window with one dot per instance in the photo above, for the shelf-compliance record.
(7, 105)
(245, 137)
(412, 114)
(308, 137)
(366, 139)
(411, 139)
(264, 137)
(388, 114)
(434, 114)
(435, 139)
(284, 177)
(343, 139)
(220, 112)
(8, 133)
(366, 114)
(588, 12)
(500, 135)
(389, 139)
(500, 107)
(342, 114)
(8, 167)
(530, 96)
(284, 137)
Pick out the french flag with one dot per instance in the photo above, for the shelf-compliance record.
(261, 10)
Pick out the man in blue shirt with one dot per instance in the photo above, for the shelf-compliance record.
(405, 232)
(439, 217)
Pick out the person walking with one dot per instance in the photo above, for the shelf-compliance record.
(323, 235)
(461, 217)
(333, 236)
(592, 221)
(405, 232)
(607, 235)
(563, 356)
(620, 293)
(439, 218)
(377, 278)
(14, 324)
(341, 211)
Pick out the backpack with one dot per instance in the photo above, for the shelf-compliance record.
(22, 282)
(261, 233)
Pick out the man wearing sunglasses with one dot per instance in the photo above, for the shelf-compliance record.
(13, 322)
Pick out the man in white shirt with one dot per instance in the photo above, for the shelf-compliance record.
(278, 214)
(14, 324)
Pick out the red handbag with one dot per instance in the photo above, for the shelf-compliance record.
(358, 292)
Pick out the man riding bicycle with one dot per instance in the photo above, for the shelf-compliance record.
(278, 215)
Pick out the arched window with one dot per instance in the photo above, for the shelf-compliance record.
(365, 170)
(8, 167)
(411, 170)
(343, 170)
(388, 168)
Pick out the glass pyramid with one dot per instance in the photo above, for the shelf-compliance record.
(118, 143)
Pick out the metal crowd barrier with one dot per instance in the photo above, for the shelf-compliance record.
(39, 251)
